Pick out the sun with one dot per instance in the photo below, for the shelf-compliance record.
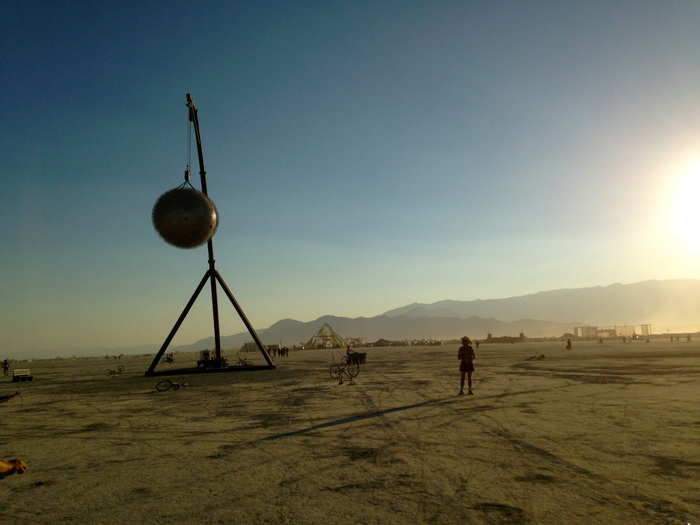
(684, 206)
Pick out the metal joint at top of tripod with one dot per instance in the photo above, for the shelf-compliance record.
(192, 107)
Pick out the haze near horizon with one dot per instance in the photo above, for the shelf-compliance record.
(361, 157)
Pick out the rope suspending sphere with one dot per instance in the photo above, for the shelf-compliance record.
(185, 217)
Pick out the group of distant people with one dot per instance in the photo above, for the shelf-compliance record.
(276, 351)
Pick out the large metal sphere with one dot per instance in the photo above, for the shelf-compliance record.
(185, 217)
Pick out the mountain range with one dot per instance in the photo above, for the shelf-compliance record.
(663, 304)
(289, 331)
(550, 313)
(674, 301)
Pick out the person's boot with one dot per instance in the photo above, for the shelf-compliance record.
(461, 393)
(470, 393)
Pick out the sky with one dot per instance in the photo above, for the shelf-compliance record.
(362, 156)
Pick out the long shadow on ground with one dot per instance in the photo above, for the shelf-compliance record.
(359, 417)
(378, 413)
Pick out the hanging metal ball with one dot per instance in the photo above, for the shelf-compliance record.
(185, 217)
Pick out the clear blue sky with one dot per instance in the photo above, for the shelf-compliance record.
(363, 155)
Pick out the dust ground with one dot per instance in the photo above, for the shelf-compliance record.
(599, 434)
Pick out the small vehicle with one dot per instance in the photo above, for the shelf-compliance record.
(208, 360)
(357, 357)
(21, 374)
(204, 359)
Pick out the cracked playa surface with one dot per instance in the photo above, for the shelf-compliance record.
(598, 434)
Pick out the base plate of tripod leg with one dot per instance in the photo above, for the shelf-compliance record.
(200, 370)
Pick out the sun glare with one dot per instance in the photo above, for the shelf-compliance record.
(684, 206)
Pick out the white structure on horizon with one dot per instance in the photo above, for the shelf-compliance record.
(620, 330)
(624, 330)
(586, 332)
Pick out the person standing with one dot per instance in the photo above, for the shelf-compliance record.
(5, 367)
(466, 358)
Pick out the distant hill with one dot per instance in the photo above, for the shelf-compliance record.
(669, 302)
(674, 303)
(289, 331)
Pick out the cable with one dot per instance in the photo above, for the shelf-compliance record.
(189, 145)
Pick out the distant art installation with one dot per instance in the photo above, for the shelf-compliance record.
(186, 218)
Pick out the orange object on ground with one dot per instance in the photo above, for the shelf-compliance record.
(13, 466)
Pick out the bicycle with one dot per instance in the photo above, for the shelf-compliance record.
(349, 370)
(167, 384)
(111, 372)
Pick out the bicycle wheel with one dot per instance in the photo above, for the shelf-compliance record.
(352, 370)
(164, 385)
(336, 371)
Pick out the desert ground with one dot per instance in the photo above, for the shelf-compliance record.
(603, 433)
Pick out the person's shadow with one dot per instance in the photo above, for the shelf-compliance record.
(359, 417)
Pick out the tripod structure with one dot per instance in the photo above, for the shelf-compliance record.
(218, 364)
